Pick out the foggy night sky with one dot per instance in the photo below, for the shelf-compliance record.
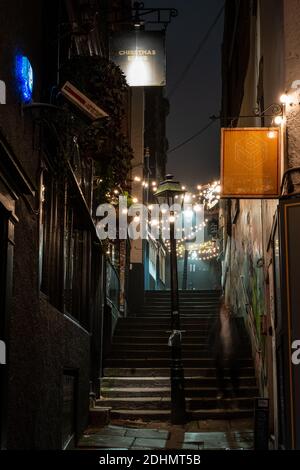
(199, 94)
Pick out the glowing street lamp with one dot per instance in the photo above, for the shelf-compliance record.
(166, 193)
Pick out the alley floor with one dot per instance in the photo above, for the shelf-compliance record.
(196, 435)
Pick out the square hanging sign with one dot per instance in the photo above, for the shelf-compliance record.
(250, 163)
(141, 55)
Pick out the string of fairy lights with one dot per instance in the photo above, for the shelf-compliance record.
(206, 251)
(207, 194)
(204, 197)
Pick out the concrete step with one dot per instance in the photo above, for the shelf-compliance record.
(190, 392)
(183, 313)
(185, 300)
(161, 335)
(162, 325)
(141, 415)
(165, 415)
(157, 320)
(154, 372)
(165, 362)
(221, 414)
(182, 300)
(148, 355)
(156, 332)
(164, 382)
(163, 346)
(149, 293)
(167, 302)
(200, 312)
(161, 339)
(164, 403)
(184, 304)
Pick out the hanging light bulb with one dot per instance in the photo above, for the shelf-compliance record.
(286, 99)
(278, 120)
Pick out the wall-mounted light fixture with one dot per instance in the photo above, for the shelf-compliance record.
(278, 120)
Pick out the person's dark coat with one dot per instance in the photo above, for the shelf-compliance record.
(217, 343)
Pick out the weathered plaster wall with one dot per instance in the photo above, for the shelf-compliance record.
(292, 74)
(248, 261)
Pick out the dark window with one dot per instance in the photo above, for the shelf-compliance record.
(66, 261)
(51, 240)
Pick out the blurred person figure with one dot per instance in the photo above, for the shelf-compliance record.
(224, 343)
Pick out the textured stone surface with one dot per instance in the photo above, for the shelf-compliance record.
(153, 443)
(99, 441)
(148, 433)
(166, 436)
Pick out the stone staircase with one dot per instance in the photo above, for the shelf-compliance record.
(136, 382)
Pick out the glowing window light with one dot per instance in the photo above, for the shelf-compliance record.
(24, 76)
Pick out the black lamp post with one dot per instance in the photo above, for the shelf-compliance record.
(166, 192)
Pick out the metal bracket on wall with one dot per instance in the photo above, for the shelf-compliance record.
(275, 109)
(157, 16)
(163, 15)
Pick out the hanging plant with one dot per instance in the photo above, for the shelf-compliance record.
(101, 141)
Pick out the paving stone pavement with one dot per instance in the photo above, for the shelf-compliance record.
(196, 435)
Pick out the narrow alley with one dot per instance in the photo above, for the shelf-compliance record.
(136, 383)
(149, 227)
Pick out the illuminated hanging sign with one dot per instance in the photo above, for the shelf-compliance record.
(250, 163)
(24, 76)
(141, 55)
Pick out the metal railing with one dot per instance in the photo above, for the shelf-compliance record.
(113, 292)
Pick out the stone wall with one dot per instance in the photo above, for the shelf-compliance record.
(274, 64)
(42, 342)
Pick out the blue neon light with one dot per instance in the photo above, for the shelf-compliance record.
(24, 74)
